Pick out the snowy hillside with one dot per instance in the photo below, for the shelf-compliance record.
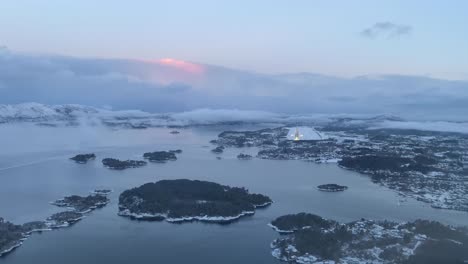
(35, 112)
(73, 114)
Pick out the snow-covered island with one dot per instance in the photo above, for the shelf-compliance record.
(12, 235)
(188, 200)
(313, 239)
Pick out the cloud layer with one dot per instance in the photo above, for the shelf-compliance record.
(157, 87)
(387, 30)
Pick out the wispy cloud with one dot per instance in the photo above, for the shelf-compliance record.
(387, 30)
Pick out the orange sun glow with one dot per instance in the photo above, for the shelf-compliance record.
(182, 65)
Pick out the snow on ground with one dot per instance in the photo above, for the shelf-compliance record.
(306, 133)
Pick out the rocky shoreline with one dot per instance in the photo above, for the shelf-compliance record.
(12, 236)
(312, 239)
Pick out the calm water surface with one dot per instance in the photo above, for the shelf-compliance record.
(34, 170)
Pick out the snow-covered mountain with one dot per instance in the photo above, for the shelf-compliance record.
(35, 112)
(75, 115)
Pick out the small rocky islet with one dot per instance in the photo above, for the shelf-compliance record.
(162, 156)
(189, 200)
(12, 235)
(332, 187)
(83, 204)
(313, 239)
(83, 158)
(218, 150)
(243, 156)
(117, 164)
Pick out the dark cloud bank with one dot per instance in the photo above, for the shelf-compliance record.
(125, 84)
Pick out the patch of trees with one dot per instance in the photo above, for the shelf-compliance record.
(294, 222)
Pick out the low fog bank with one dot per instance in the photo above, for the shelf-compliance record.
(155, 87)
(90, 120)
(438, 126)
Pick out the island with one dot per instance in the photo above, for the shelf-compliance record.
(83, 158)
(13, 235)
(116, 164)
(218, 150)
(188, 200)
(84, 204)
(291, 223)
(243, 156)
(175, 151)
(63, 219)
(161, 156)
(174, 132)
(332, 187)
(312, 239)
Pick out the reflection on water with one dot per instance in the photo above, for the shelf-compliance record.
(33, 174)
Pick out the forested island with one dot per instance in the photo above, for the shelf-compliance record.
(161, 156)
(188, 200)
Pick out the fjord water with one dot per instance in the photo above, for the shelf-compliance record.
(34, 170)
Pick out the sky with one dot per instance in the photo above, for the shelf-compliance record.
(404, 58)
(339, 38)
